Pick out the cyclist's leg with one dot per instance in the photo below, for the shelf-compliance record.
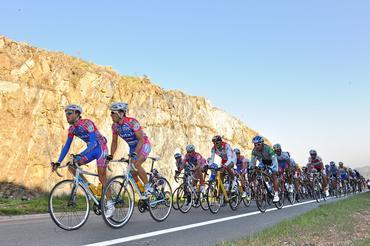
(142, 156)
(274, 169)
(101, 164)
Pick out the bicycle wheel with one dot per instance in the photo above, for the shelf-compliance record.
(292, 194)
(317, 192)
(214, 198)
(69, 205)
(261, 197)
(203, 198)
(160, 201)
(280, 203)
(248, 199)
(235, 198)
(196, 201)
(174, 194)
(184, 198)
(121, 193)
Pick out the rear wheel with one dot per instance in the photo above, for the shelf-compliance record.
(121, 194)
(160, 201)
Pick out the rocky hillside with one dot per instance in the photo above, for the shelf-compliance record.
(36, 84)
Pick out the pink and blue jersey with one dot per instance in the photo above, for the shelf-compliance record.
(96, 144)
(195, 158)
(126, 129)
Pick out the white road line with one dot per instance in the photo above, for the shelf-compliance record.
(185, 227)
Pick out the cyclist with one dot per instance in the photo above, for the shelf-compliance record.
(228, 157)
(315, 162)
(178, 159)
(86, 130)
(196, 163)
(130, 130)
(242, 164)
(343, 173)
(283, 158)
(267, 157)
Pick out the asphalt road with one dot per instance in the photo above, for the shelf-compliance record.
(197, 227)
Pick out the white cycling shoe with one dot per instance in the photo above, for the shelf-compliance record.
(110, 209)
(276, 197)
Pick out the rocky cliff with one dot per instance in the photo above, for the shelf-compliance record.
(36, 84)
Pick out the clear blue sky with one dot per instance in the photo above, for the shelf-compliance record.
(297, 71)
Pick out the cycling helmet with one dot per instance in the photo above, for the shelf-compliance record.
(237, 151)
(216, 138)
(313, 152)
(332, 163)
(119, 106)
(177, 156)
(190, 148)
(340, 163)
(277, 147)
(73, 107)
(257, 139)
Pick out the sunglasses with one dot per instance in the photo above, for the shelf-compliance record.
(113, 112)
(257, 144)
(69, 113)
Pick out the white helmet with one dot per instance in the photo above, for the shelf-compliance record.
(190, 148)
(117, 106)
(73, 107)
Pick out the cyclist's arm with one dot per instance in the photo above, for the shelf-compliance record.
(140, 136)
(212, 156)
(252, 163)
(113, 146)
(65, 148)
(92, 144)
(230, 157)
(135, 125)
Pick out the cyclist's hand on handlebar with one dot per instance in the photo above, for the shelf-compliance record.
(109, 158)
(133, 155)
(54, 165)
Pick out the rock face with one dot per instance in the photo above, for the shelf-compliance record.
(36, 84)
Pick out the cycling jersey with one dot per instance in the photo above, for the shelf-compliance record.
(315, 163)
(266, 157)
(333, 170)
(241, 164)
(96, 144)
(343, 173)
(126, 129)
(283, 160)
(226, 153)
(195, 158)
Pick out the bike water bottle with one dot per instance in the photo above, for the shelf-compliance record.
(99, 190)
(139, 184)
(93, 189)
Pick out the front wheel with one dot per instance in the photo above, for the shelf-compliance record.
(174, 194)
(119, 196)
(261, 197)
(184, 198)
(69, 205)
(214, 197)
(160, 201)
(203, 198)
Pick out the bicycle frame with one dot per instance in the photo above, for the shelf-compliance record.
(220, 185)
(79, 180)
